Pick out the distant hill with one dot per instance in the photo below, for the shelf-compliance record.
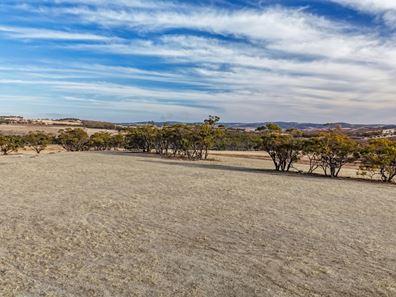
(235, 125)
(283, 125)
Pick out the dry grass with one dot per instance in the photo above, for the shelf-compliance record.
(102, 224)
(15, 129)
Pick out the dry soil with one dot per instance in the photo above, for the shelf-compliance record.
(118, 224)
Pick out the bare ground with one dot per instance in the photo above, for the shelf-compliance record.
(21, 129)
(102, 224)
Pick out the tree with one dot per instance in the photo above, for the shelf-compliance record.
(10, 143)
(212, 120)
(208, 134)
(272, 127)
(284, 149)
(379, 158)
(100, 141)
(73, 139)
(117, 141)
(186, 141)
(311, 148)
(141, 138)
(336, 150)
(38, 140)
(238, 140)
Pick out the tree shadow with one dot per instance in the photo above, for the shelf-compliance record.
(220, 167)
(156, 159)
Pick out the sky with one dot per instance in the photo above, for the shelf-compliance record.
(244, 60)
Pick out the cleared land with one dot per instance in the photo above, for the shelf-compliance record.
(17, 129)
(116, 224)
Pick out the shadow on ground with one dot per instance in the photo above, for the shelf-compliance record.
(222, 167)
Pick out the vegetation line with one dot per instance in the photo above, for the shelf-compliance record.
(328, 151)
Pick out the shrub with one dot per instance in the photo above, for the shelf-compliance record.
(73, 139)
(379, 158)
(101, 141)
(38, 140)
(284, 149)
(335, 150)
(141, 138)
(10, 143)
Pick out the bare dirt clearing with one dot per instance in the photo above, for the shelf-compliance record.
(117, 224)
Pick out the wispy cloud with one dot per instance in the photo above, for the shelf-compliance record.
(32, 33)
(272, 62)
(385, 9)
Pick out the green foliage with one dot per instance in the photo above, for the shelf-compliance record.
(73, 139)
(11, 143)
(329, 150)
(98, 125)
(212, 120)
(187, 141)
(272, 127)
(379, 158)
(38, 140)
(284, 149)
(100, 141)
(335, 150)
(141, 138)
(238, 140)
(117, 141)
(311, 148)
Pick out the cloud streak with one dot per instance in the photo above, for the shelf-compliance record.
(45, 34)
(271, 63)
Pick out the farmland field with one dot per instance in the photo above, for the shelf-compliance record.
(119, 224)
(19, 129)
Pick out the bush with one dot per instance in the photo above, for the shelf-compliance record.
(11, 143)
(38, 140)
(101, 141)
(141, 138)
(335, 150)
(284, 149)
(73, 139)
(238, 140)
(379, 158)
(186, 141)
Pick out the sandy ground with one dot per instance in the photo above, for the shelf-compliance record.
(116, 224)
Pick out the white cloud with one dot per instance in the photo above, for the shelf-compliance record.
(371, 6)
(31, 33)
(385, 9)
(283, 64)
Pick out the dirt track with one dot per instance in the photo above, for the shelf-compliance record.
(97, 224)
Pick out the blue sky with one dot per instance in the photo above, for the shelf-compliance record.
(245, 60)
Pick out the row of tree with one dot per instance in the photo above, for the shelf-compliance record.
(185, 141)
(328, 151)
(71, 140)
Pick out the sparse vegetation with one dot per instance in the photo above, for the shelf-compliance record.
(330, 150)
(38, 140)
